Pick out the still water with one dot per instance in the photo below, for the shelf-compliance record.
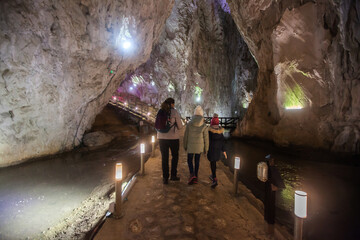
(37, 195)
(331, 181)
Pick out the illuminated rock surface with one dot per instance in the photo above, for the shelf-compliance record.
(314, 46)
(61, 61)
(200, 58)
(56, 63)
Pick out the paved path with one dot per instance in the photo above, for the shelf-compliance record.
(182, 211)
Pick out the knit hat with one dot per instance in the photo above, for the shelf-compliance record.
(214, 121)
(199, 111)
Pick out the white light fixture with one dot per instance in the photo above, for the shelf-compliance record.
(237, 163)
(118, 171)
(114, 98)
(294, 107)
(136, 108)
(148, 114)
(198, 99)
(126, 44)
(142, 148)
(300, 204)
(152, 83)
(131, 88)
(152, 139)
(125, 103)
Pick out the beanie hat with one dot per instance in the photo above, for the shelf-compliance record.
(199, 111)
(214, 121)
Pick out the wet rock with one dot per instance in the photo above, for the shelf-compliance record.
(135, 226)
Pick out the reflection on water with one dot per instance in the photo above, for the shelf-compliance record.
(37, 195)
(331, 181)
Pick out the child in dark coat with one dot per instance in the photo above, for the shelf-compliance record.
(216, 147)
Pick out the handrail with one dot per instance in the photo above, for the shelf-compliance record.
(226, 122)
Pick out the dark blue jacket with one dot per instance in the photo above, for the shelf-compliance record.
(216, 144)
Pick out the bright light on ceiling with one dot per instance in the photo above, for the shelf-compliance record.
(126, 45)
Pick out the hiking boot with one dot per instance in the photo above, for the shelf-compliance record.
(214, 183)
(175, 178)
(211, 178)
(165, 181)
(191, 180)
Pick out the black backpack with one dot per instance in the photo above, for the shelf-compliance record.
(163, 121)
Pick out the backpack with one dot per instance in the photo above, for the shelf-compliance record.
(163, 121)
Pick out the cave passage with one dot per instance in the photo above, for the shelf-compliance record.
(81, 83)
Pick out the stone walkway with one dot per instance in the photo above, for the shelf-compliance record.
(182, 211)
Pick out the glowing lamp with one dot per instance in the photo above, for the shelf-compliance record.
(136, 108)
(126, 45)
(198, 99)
(152, 83)
(142, 148)
(125, 103)
(131, 88)
(300, 204)
(237, 163)
(148, 114)
(294, 107)
(152, 139)
(114, 98)
(118, 171)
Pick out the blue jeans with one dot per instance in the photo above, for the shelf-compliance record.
(190, 163)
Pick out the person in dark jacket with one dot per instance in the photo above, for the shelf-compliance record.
(273, 184)
(170, 140)
(216, 147)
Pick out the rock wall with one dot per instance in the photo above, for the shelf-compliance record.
(200, 59)
(308, 56)
(59, 63)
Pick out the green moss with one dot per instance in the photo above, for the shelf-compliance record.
(198, 91)
(295, 97)
(293, 67)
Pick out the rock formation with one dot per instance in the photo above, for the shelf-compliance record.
(200, 58)
(308, 57)
(60, 61)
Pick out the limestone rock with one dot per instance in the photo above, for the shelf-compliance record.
(199, 54)
(96, 139)
(310, 51)
(60, 61)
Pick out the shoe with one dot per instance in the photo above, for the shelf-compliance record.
(191, 180)
(195, 180)
(165, 181)
(211, 178)
(175, 178)
(214, 183)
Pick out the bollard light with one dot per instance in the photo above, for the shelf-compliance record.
(152, 139)
(142, 148)
(118, 213)
(118, 171)
(300, 204)
(237, 163)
